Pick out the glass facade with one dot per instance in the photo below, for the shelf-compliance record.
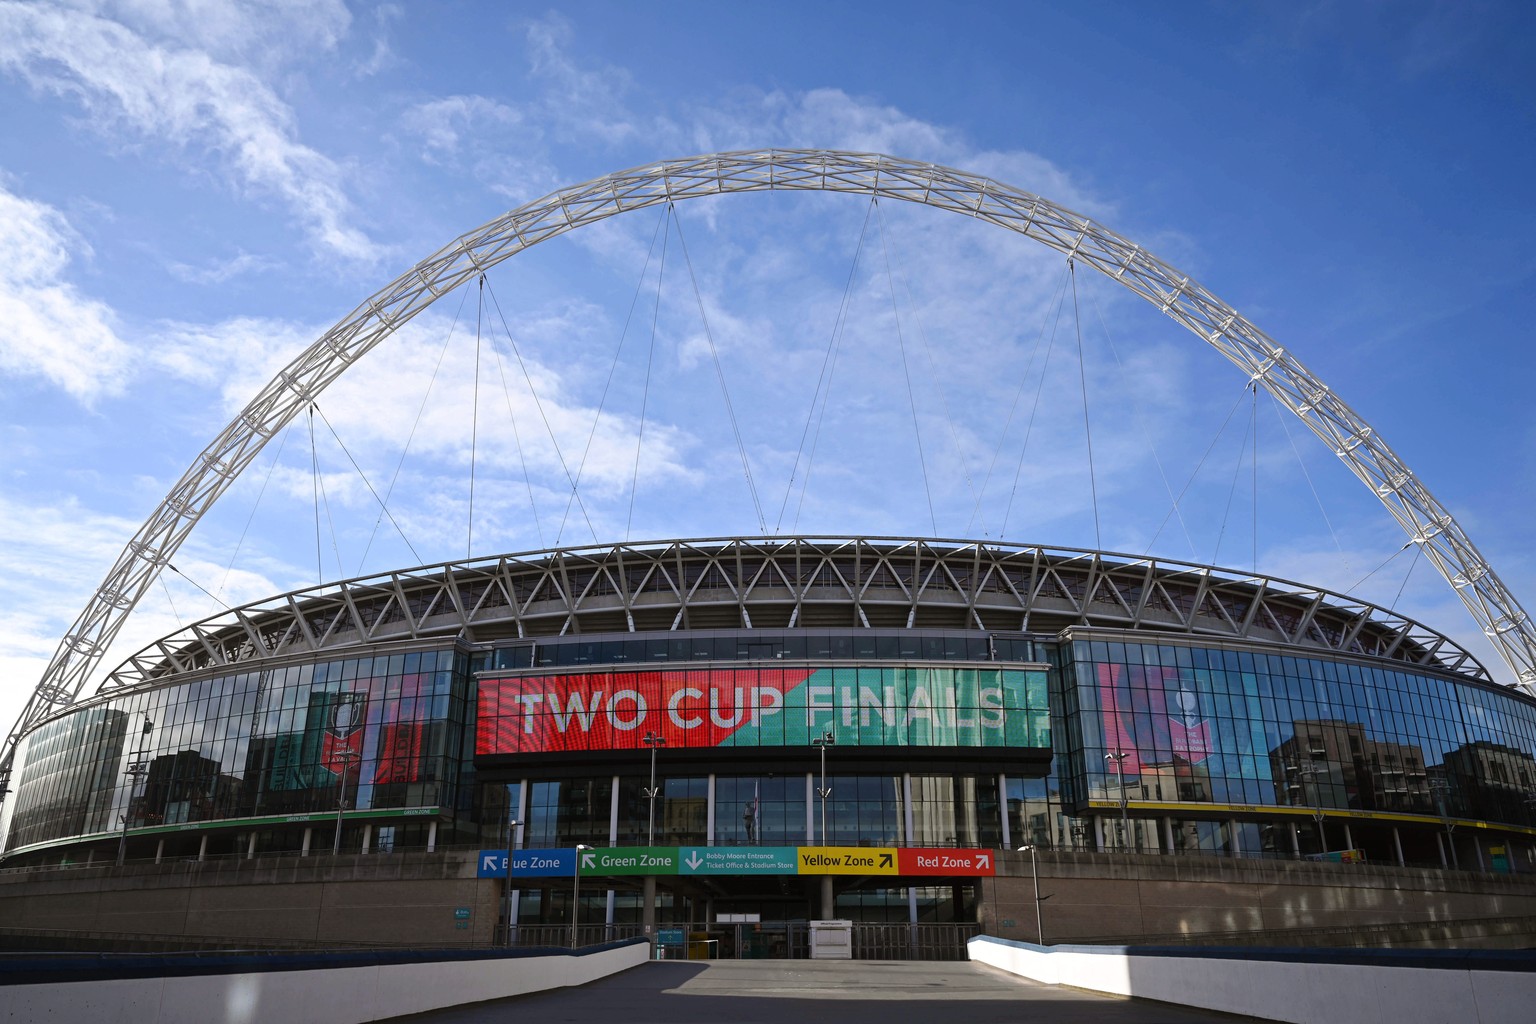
(1159, 747)
(386, 735)
(1347, 745)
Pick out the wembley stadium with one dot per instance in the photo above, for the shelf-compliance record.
(963, 695)
(767, 730)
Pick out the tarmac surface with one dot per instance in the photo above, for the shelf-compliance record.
(812, 992)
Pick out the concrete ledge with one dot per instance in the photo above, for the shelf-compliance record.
(314, 993)
(1426, 987)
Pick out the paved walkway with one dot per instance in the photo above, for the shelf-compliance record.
(812, 992)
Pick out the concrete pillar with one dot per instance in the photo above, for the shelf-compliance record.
(202, 847)
(159, 851)
(648, 908)
(309, 833)
(907, 816)
(90, 856)
(432, 837)
(1440, 842)
(1349, 837)
(810, 810)
(250, 846)
(608, 915)
(828, 902)
(1002, 808)
(1477, 848)
(1295, 841)
(1167, 835)
(1397, 844)
(367, 837)
(1098, 833)
(613, 824)
(912, 904)
(709, 803)
(1235, 838)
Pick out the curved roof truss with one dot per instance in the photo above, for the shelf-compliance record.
(786, 583)
(1422, 517)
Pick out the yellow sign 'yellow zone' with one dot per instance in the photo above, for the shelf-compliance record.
(847, 860)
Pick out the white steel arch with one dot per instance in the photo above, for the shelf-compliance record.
(1423, 518)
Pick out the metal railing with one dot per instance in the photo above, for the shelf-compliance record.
(871, 941)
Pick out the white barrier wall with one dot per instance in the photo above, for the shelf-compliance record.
(1277, 990)
(342, 995)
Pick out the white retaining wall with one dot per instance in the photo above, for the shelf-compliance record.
(1277, 990)
(341, 995)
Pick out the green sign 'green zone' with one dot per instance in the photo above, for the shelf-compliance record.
(630, 860)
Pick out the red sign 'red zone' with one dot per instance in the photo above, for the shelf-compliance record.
(918, 861)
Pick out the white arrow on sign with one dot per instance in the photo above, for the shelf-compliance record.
(587, 861)
(983, 860)
(488, 861)
(693, 861)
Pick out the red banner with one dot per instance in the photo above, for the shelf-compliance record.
(615, 710)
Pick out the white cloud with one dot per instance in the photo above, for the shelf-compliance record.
(223, 271)
(48, 329)
(442, 123)
(260, 32)
(187, 98)
(581, 103)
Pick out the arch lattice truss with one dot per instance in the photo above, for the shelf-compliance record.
(1423, 518)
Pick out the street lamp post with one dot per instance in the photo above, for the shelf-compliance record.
(1317, 806)
(824, 741)
(576, 893)
(1119, 757)
(1034, 873)
(347, 757)
(653, 741)
(1442, 788)
(136, 767)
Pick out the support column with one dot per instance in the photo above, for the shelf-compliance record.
(1002, 808)
(159, 851)
(1349, 837)
(1295, 841)
(1098, 833)
(648, 910)
(1167, 834)
(810, 810)
(828, 902)
(1440, 842)
(613, 814)
(432, 837)
(202, 847)
(367, 837)
(907, 815)
(1397, 844)
(1477, 848)
(309, 833)
(709, 811)
(608, 916)
(1235, 838)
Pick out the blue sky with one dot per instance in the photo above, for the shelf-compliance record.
(191, 192)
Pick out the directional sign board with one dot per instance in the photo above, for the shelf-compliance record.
(946, 862)
(846, 860)
(492, 864)
(738, 860)
(630, 860)
(543, 863)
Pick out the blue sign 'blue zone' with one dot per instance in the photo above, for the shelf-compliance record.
(526, 863)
